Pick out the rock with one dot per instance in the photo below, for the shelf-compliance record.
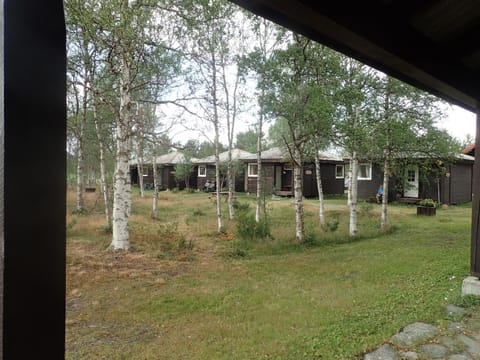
(473, 347)
(414, 333)
(434, 351)
(453, 345)
(384, 352)
(409, 355)
(460, 357)
(454, 327)
(455, 312)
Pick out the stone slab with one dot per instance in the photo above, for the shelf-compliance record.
(384, 352)
(414, 333)
(471, 286)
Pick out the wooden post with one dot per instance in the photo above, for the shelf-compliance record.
(475, 242)
(33, 213)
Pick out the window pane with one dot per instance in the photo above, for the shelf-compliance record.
(364, 171)
(411, 176)
(339, 171)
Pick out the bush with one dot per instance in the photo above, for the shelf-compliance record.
(249, 229)
(107, 229)
(330, 225)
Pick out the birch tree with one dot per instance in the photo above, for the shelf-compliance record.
(268, 37)
(300, 103)
(128, 33)
(210, 33)
(406, 116)
(352, 125)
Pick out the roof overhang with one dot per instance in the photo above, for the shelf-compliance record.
(432, 45)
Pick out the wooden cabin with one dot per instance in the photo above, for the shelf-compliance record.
(278, 174)
(205, 169)
(166, 179)
(447, 183)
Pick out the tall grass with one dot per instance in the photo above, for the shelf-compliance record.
(332, 298)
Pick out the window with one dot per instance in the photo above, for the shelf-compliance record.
(145, 171)
(339, 171)
(202, 171)
(365, 171)
(253, 170)
(411, 176)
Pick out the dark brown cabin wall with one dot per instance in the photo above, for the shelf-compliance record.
(368, 188)
(331, 185)
(310, 189)
(268, 172)
(461, 183)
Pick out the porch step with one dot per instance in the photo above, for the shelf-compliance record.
(283, 193)
(408, 200)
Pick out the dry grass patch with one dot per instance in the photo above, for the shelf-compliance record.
(330, 300)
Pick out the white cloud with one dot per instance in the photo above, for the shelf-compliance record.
(459, 122)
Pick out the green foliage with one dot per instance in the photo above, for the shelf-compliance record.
(331, 224)
(167, 231)
(468, 301)
(82, 212)
(428, 203)
(107, 229)
(366, 207)
(247, 141)
(249, 229)
(241, 206)
(183, 171)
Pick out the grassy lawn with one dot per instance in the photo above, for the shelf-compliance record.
(185, 292)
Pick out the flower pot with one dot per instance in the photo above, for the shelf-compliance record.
(426, 210)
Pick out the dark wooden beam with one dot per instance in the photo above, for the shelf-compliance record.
(34, 179)
(375, 34)
(475, 241)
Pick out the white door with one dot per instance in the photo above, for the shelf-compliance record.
(411, 182)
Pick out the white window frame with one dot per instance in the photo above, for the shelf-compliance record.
(369, 170)
(145, 171)
(343, 171)
(250, 172)
(204, 167)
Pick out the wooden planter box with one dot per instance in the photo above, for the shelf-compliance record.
(426, 211)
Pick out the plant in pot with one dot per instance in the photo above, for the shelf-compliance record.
(427, 207)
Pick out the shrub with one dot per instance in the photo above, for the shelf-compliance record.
(366, 207)
(167, 231)
(249, 229)
(107, 229)
(330, 225)
(427, 203)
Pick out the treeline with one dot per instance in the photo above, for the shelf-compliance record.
(131, 62)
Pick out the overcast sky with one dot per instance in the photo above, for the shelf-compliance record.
(459, 123)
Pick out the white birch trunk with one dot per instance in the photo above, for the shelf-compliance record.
(122, 187)
(353, 195)
(218, 186)
(349, 187)
(103, 173)
(231, 187)
(298, 196)
(140, 175)
(259, 167)
(155, 188)
(386, 177)
(387, 155)
(216, 123)
(140, 164)
(80, 164)
(321, 205)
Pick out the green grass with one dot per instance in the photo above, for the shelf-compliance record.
(333, 299)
